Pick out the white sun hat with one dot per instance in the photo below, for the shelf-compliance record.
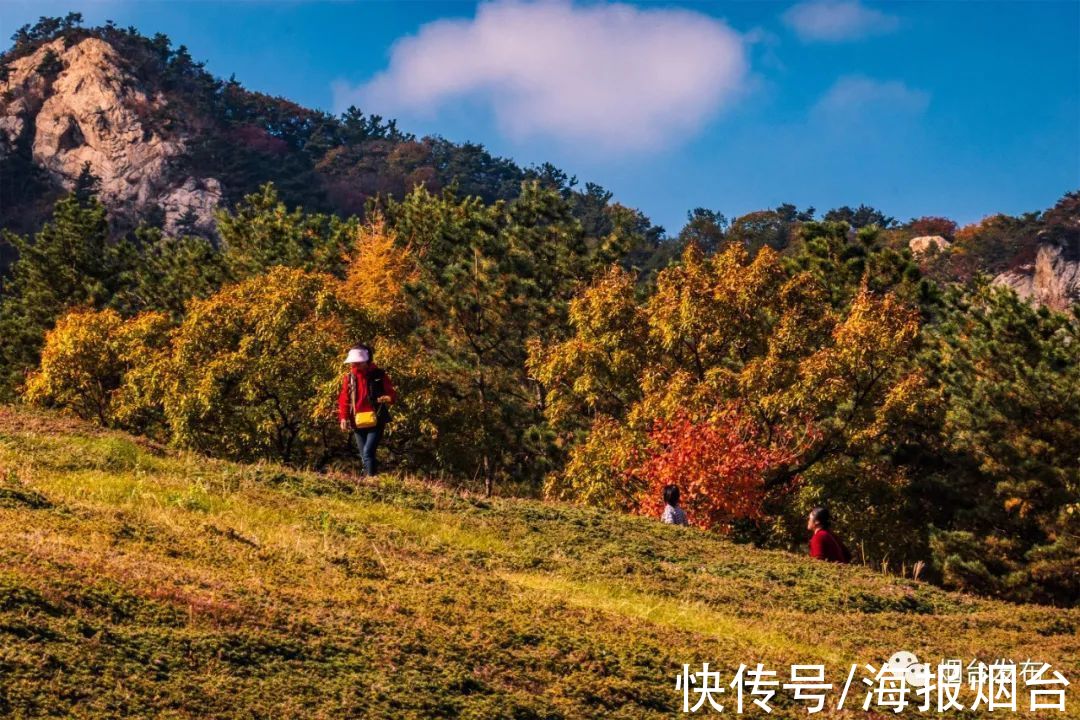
(357, 355)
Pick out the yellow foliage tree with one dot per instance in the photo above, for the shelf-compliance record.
(144, 352)
(595, 370)
(377, 272)
(86, 359)
(599, 470)
(819, 383)
(254, 368)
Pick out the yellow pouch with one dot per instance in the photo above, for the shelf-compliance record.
(366, 419)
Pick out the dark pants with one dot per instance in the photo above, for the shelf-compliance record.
(367, 442)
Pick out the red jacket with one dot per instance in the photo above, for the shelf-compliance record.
(825, 546)
(363, 402)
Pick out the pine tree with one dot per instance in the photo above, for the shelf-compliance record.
(262, 233)
(87, 185)
(1009, 379)
(69, 263)
(492, 278)
(171, 270)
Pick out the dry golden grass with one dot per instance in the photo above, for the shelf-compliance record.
(139, 582)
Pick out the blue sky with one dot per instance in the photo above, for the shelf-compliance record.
(919, 108)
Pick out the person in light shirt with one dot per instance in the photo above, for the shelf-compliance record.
(673, 514)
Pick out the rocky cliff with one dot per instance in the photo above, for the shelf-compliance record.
(170, 142)
(922, 245)
(1052, 280)
(78, 104)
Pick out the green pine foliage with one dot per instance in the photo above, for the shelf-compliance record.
(492, 278)
(1009, 377)
(70, 262)
(173, 269)
(262, 233)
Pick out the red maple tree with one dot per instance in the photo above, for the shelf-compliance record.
(720, 466)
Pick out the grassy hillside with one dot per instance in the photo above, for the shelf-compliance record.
(139, 582)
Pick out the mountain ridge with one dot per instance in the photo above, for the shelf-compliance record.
(169, 144)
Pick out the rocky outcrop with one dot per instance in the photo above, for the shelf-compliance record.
(191, 204)
(1052, 280)
(923, 244)
(87, 108)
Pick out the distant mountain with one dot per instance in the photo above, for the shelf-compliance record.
(169, 142)
(166, 143)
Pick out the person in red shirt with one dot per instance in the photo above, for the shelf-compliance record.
(364, 404)
(823, 544)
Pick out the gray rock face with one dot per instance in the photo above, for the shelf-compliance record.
(195, 200)
(922, 244)
(1052, 280)
(94, 111)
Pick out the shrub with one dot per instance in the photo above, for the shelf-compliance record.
(86, 359)
(251, 367)
(719, 465)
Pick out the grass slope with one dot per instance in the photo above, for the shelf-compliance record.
(143, 583)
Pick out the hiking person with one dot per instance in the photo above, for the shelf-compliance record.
(673, 514)
(364, 404)
(823, 544)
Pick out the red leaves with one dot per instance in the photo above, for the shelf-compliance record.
(933, 225)
(719, 465)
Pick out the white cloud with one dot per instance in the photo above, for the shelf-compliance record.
(603, 75)
(836, 20)
(854, 97)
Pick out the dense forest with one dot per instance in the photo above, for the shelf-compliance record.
(547, 340)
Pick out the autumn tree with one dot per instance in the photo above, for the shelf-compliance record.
(69, 263)
(79, 368)
(720, 465)
(993, 245)
(86, 358)
(590, 385)
(378, 269)
(932, 225)
(821, 376)
(251, 366)
(600, 467)
(595, 371)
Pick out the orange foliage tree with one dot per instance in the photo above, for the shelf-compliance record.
(933, 225)
(377, 271)
(817, 356)
(720, 466)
